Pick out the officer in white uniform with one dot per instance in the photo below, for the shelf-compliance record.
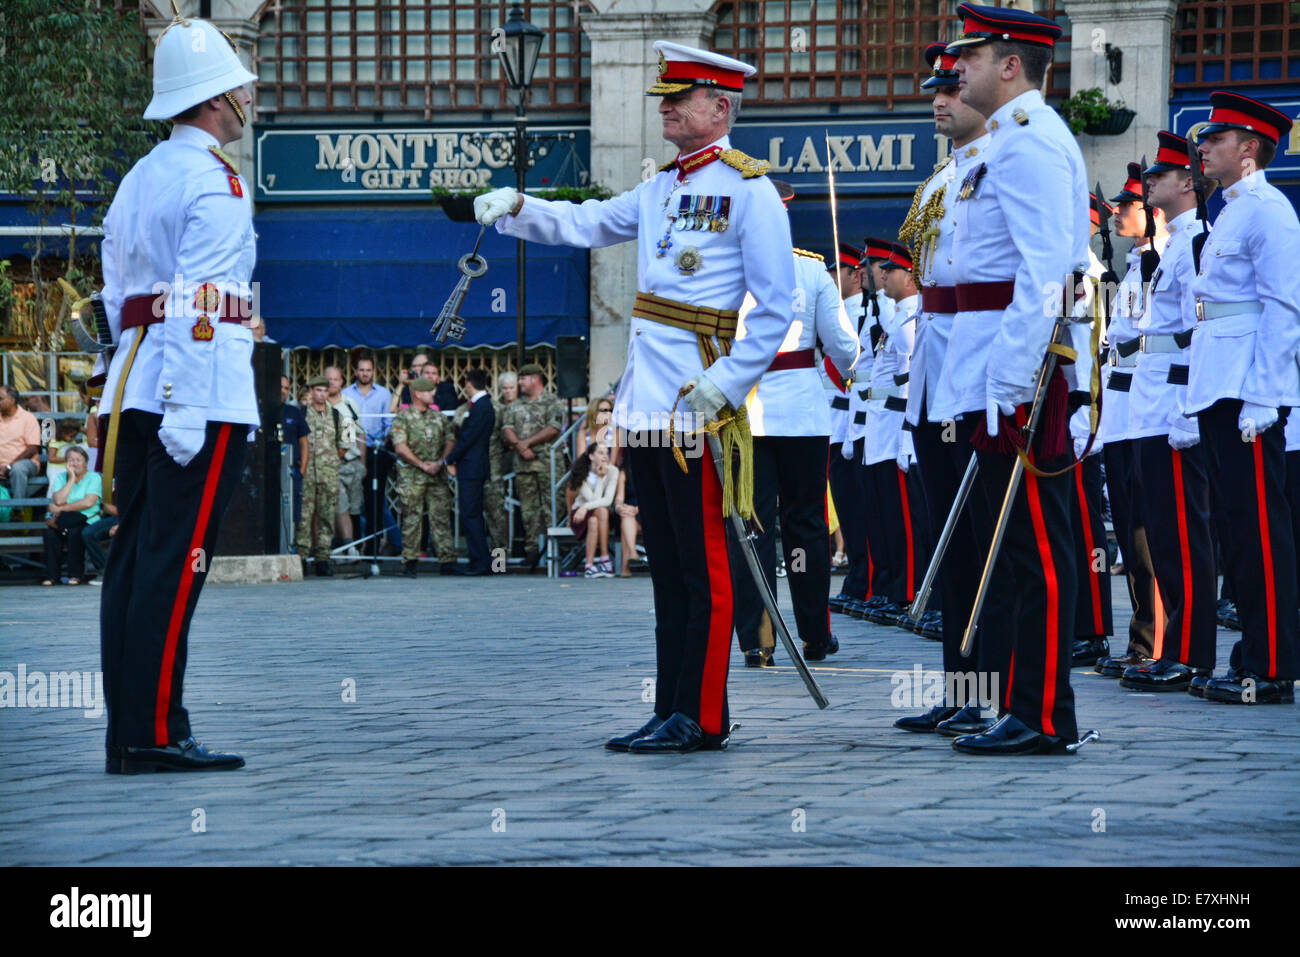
(895, 537)
(178, 254)
(708, 228)
(790, 421)
(941, 441)
(1242, 381)
(1171, 477)
(1021, 229)
(1118, 450)
(878, 315)
(843, 472)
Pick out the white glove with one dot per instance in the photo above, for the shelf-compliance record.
(490, 207)
(704, 398)
(1080, 443)
(1001, 397)
(1256, 418)
(183, 432)
(903, 460)
(846, 451)
(1183, 433)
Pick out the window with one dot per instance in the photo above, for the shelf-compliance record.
(410, 55)
(1246, 41)
(872, 50)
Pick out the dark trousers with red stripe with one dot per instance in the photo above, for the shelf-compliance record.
(167, 528)
(843, 476)
(1126, 506)
(1093, 617)
(787, 478)
(892, 536)
(686, 548)
(1293, 499)
(1176, 504)
(1029, 618)
(1254, 524)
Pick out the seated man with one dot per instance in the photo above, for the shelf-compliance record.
(20, 443)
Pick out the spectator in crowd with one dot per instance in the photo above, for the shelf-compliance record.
(470, 463)
(352, 473)
(502, 464)
(422, 441)
(293, 424)
(37, 403)
(444, 393)
(532, 423)
(402, 398)
(596, 482)
(373, 402)
(20, 443)
(598, 428)
(625, 508)
(96, 537)
(327, 444)
(66, 431)
(73, 503)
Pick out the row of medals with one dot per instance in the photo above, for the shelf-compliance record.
(688, 260)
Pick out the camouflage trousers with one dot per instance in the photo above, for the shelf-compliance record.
(533, 491)
(320, 498)
(422, 495)
(494, 510)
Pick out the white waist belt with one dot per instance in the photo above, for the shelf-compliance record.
(1158, 344)
(887, 393)
(1206, 311)
(1118, 361)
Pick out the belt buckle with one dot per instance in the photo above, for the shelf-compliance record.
(1200, 310)
(1142, 343)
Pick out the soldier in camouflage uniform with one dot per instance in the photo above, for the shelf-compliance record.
(501, 461)
(422, 437)
(327, 443)
(529, 425)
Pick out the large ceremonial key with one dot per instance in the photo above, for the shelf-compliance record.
(449, 324)
(760, 580)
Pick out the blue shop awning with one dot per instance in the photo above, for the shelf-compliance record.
(378, 277)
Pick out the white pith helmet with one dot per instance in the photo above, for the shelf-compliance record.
(194, 61)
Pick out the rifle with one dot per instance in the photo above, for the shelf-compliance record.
(1150, 258)
(1198, 186)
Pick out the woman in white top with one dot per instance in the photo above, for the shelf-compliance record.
(595, 481)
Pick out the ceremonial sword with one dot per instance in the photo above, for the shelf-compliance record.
(746, 542)
(922, 598)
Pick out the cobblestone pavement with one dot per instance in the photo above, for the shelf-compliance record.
(475, 737)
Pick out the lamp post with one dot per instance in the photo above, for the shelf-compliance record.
(520, 43)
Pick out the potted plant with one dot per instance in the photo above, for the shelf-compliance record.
(459, 204)
(1088, 111)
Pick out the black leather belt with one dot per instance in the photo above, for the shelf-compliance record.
(1177, 375)
(840, 402)
(1120, 381)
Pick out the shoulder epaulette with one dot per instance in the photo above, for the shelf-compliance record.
(748, 166)
(671, 164)
(1020, 116)
(225, 160)
(809, 254)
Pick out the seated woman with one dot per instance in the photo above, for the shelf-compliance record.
(626, 508)
(594, 481)
(75, 502)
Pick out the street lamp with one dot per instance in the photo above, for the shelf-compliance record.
(520, 43)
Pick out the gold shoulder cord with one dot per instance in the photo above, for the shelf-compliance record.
(920, 229)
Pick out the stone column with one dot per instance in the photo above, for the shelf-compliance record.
(627, 144)
(1144, 30)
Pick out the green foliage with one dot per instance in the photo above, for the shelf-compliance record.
(1087, 108)
(75, 82)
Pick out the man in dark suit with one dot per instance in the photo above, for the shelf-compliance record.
(468, 461)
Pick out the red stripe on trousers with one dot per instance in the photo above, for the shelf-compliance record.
(1266, 546)
(183, 590)
(1180, 503)
(1052, 612)
(826, 511)
(1011, 677)
(1159, 617)
(714, 685)
(907, 530)
(1094, 586)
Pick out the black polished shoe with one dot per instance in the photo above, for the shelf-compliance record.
(532, 563)
(1248, 688)
(1010, 736)
(837, 603)
(1111, 667)
(758, 658)
(187, 755)
(447, 568)
(411, 568)
(906, 622)
(931, 626)
(863, 610)
(1088, 651)
(325, 568)
(678, 735)
(1196, 687)
(1227, 615)
(926, 722)
(819, 650)
(1162, 675)
(886, 614)
(464, 571)
(966, 721)
(649, 728)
